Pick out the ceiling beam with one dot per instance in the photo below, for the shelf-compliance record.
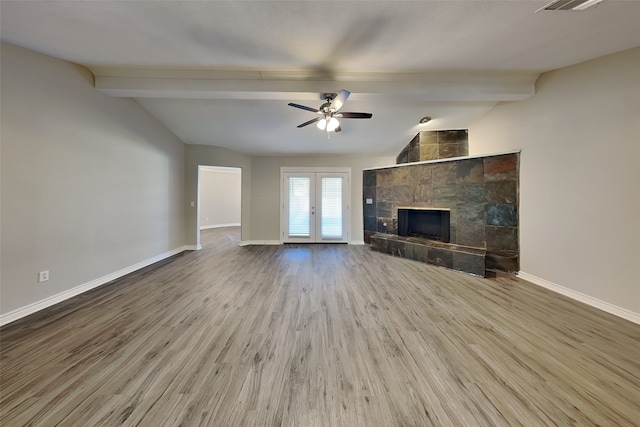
(302, 85)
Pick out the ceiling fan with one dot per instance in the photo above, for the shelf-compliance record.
(329, 112)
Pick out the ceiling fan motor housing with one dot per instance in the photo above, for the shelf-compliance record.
(325, 107)
(328, 96)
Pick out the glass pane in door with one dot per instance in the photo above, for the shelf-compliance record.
(331, 203)
(299, 205)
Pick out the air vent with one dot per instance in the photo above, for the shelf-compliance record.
(570, 5)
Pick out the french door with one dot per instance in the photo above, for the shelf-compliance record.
(315, 207)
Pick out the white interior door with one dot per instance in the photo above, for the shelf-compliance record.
(315, 207)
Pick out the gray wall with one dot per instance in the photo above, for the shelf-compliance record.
(579, 176)
(220, 198)
(261, 187)
(205, 155)
(91, 185)
(265, 187)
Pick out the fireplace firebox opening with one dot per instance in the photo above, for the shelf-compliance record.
(432, 224)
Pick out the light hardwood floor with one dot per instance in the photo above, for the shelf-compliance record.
(319, 335)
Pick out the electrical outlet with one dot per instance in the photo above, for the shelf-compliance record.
(43, 276)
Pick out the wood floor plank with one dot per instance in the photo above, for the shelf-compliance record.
(317, 335)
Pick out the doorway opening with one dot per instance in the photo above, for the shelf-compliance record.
(219, 198)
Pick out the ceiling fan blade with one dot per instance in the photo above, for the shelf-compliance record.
(303, 107)
(347, 115)
(339, 100)
(310, 121)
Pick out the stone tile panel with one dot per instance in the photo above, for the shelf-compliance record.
(369, 178)
(367, 236)
(453, 232)
(416, 252)
(423, 193)
(402, 195)
(500, 239)
(448, 136)
(469, 263)
(384, 209)
(429, 152)
(369, 210)
(440, 257)
(508, 263)
(501, 168)
(445, 195)
(470, 213)
(444, 173)
(503, 215)
(420, 174)
(370, 192)
(501, 191)
(403, 157)
(384, 193)
(471, 193)
(469, 234)
(385, 177)
(399, 175)
(414, 151)
(427, 137)
(396, 248)
(463, 149)
(370, 223)
(447, 150)
(378, 244)
(471, 170)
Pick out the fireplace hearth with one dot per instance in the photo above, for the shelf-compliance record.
(428, 223)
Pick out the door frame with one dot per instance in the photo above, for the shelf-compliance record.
(346, 189)
(230, 169)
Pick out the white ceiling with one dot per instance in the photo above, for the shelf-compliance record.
(222, 72)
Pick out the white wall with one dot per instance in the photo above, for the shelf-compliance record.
(580, 176)
(220, 191)
(265, 187)
(91, 185)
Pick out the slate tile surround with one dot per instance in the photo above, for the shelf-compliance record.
(433, 145)
(481, 192)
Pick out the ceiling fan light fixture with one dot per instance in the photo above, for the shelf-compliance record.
(333, 124)
(322, 124)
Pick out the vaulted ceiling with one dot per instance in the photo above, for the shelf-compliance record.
(222, 72)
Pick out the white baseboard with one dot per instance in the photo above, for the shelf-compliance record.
(356, 242)
(192, 247)
(62, 296)
(594, 302)
(206, 227)
(260, 242)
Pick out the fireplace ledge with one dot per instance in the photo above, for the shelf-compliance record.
(466, 259)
